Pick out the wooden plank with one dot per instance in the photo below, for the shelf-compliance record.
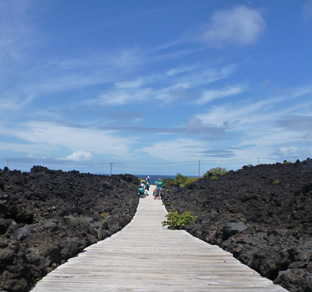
(147, 257)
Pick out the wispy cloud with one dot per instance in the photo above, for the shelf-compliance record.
(27, 148)
(240, 25)
(190, 76)
(17, 40)
(248, 111)
(307, 11)
(117, 97)
(89, 71)
(10, 102)
(74, 139)
(208, 76)
(16, 30)
(130, 84)
(210, 95)
(185, 82)
(301, 125)
(302, 91)
(263, 128)
(193, 127)
(218, 153)
(176, 150)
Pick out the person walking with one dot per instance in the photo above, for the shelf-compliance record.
(159, 188)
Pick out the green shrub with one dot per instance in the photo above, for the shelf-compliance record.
(168, 182)
(36, 280)
(276, 182)
(216, 171)
(214, 177)
(104, 215)
(180, 179)
(189, 180)
(176, 220)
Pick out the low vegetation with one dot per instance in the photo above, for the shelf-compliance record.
(180, 180)
(216, 171)
(176, 220)
(276, 182)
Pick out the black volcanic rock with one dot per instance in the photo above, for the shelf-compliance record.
(48, 216)
(261, 214)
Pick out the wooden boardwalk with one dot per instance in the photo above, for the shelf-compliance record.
(146, 257)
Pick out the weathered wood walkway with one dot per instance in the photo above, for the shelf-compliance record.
(146, 257)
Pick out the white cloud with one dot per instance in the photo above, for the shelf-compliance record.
(209, 95)
(210, 154)
(17, 31)
(180, 70)
(127, 59)
(130, 84)
(245, 111)
(60, 137)
(302, 91)
(10, 102)
(121, 96)
(207, 76)
(292, 153)
(241, 26)
(288, 150)
(257, 129)
(263, 138)
(176, 79)
(253, 155)
(78, 156)
(176, 150)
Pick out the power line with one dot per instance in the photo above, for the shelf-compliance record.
(193, 166)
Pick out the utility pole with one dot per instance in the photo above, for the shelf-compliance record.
(7, 163)
(111, 164)
(258, 160)
(198, 168)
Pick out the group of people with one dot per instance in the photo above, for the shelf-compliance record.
(143, 190)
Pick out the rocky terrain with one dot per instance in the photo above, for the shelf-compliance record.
(49, 216)
(261, 214)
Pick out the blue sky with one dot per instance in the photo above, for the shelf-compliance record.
(154, 87)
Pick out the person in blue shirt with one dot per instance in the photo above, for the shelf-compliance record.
(141, 191)
(159, 187)
(147, 183)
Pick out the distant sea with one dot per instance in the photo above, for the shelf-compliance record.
(154, 178)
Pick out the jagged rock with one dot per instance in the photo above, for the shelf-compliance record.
(21, 233)
(49, 216)
(4, 225)
(6, 256)
(273, 204)
(232, 228)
